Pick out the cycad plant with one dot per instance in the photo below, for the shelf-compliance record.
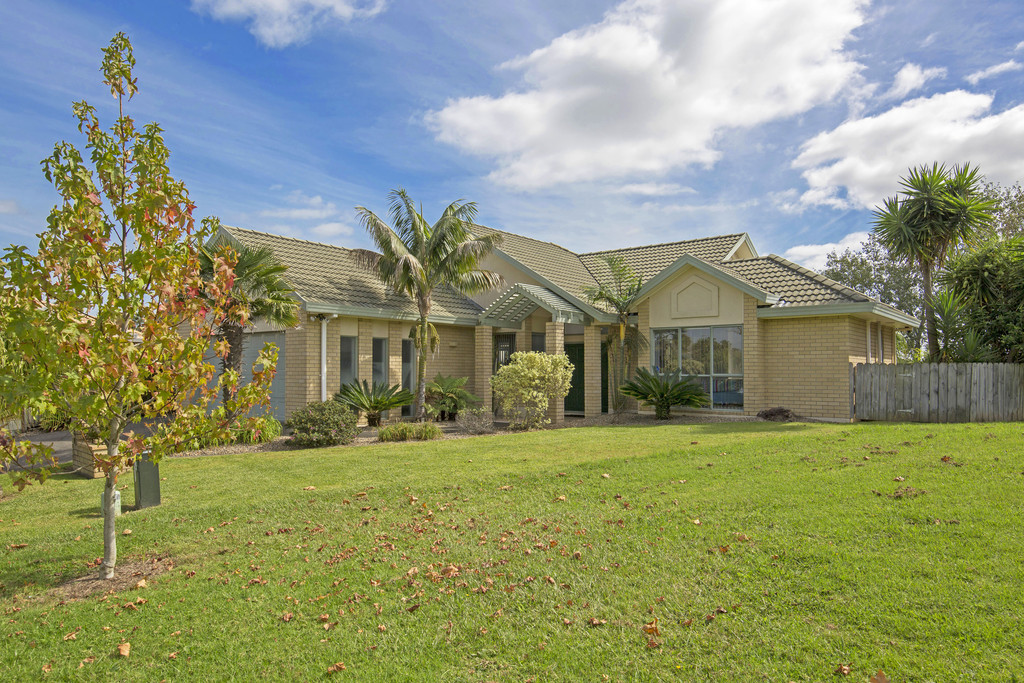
(446, 397)
(664, 391)
(373, 399)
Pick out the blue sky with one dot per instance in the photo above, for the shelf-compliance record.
(588, 123)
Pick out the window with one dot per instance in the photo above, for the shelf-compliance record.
(349, 359)
(380, 360)
(539, 342)
(713, 355)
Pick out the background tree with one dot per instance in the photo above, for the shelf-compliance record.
(619, 294)
(261, 290)
(111, 316)
(416, 258)
(873, 271)
(988, 280)
(1008, 210)
(936, 210)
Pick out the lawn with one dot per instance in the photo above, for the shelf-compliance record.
(750, 551)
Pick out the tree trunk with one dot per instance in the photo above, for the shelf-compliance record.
(421, 371)
(109, 532)
(929, 312)
(235, 337)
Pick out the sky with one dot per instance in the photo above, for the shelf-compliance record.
(593, 124)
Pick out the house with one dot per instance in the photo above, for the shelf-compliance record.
(757, 331)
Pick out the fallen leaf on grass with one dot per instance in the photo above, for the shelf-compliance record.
(594, 621)
(606, 476)
(336, 667)
(126, 532)
(879, 677)
(141, 583)
(742, 538)
(688, 622)
(652, 628)
(413, 608)
(653, 644)
(124, 650)
(47, 668)
(697, 522)
(173, 655)
(73, 635)
(18, 546)
(843, 670)
(287, 616)
(87, 660)
(309, 488)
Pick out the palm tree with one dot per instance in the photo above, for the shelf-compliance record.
(937, 210)
(416, 258)
(267, 296)
(619, 294)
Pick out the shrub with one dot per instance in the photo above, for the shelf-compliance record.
(324, 423)
(664, 391)
(373, 400)
(57, 421)
(446, 397)
(475, 421)
(260, 430)
(407, 431)
(528, 383)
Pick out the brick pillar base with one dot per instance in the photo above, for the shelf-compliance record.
(592, 371)
(83, 456)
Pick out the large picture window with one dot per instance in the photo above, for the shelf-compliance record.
(713, 355)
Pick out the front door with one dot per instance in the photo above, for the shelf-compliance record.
(574, 401)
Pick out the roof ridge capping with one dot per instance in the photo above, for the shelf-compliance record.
(229, 228)
(738, 235)
(525, 237)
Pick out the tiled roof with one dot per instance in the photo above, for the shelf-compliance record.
(793, 284)
(332, 275)
(553, 263)
(650, 260)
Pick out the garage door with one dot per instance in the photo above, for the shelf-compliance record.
(253, 344)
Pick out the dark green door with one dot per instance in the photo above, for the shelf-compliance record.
(604, 378)
(574, 401)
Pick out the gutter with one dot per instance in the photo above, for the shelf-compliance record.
(865, 307)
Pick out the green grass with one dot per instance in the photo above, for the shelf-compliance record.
(926, 588)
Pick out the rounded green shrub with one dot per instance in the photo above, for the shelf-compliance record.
(324, 423)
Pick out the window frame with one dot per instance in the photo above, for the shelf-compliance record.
(709, 378)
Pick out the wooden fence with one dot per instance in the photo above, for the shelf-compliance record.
(937, 392)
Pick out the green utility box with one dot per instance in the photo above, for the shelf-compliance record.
(147, 482)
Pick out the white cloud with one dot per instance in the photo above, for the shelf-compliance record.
(1020, 46)
(9, 206)
(994, 71)
(305, 208)
(867, 156)
(332, 229)
(280, 23)
(650, 87)
(654, 189)
(910, 78)
(813, 255)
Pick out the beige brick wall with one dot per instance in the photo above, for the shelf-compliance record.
(806, 363)
(857, 336)
(755, 385)
(456, 354)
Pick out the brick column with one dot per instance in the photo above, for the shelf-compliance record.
(643, 315)
(396, 333)
(592, 370)
(555, 343)
(365, 344)
(755, 387)
(483, 362)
